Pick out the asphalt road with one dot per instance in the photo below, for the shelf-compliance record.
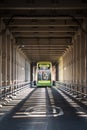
(46, 109)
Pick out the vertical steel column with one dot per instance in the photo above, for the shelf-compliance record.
(82, 59)
(67, 78)
(78, 59)
(71, 63)
(4, 59)
(64, 67)
(31, 71)
(14, 62)
(0, 56)
(85, 51)
(8, 59)
(86, 54)
(67, 67)
(61, 73)
(26, 71)
(74, 52)
(34, 73)
(57, 71)
(16, 66)
(11, 61)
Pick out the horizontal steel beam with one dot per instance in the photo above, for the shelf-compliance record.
(44, 36)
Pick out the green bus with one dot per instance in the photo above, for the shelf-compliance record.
(44, 74)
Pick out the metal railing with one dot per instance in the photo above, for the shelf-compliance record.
(75, 89)
(12, 89)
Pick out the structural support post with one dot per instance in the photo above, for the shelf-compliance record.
(57, 71)
(11, 61)
(8, 59)
(74, 61)
(14, 62)
(86, 55)
(0, 58)
(4, 59)
(31, 71)
(77, 58)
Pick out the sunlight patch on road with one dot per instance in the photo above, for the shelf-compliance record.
(80, 111)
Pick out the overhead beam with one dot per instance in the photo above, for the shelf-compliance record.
(58, 17)
(42, 30)
(45, 48)
(37, 6)
(44, 23)
(44, 33)
(43, 36)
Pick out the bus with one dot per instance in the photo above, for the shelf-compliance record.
(44, 74)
